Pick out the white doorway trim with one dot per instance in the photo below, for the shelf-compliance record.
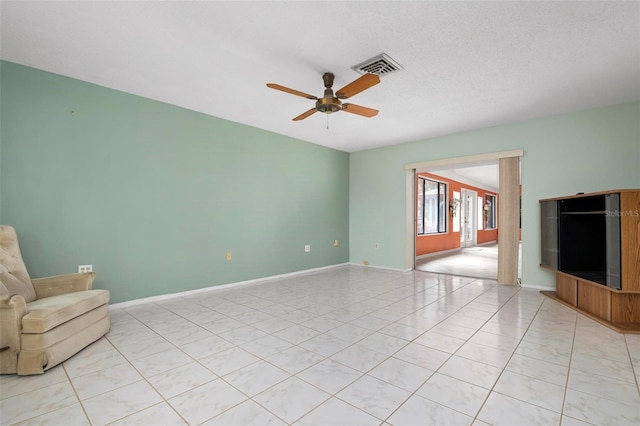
(455, 161)
(410, 229)
(410, 173)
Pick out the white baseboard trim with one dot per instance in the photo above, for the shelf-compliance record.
(160, 297)
(537, 287)
(438, 253)
(381, 267)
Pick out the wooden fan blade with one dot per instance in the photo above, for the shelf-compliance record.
(292, 91)
(360, 110)
(305, 114)
(358, 85)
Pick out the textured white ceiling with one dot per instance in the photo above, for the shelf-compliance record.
(466, 65)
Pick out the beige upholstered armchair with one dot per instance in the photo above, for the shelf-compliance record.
(44, 321)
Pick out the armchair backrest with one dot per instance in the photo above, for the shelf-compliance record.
(13, 273)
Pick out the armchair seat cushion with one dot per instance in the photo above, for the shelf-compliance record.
(45, 314)
(44, 321)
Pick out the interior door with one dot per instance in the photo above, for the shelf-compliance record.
(468, 218)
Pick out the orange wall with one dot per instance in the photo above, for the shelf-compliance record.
(450, 240)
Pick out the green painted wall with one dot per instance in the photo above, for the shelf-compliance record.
(581, 152)
(154, 195)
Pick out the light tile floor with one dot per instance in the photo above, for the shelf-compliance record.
(477, 262)
(345, 346)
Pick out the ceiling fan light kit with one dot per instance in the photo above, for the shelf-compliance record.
(328, 105)
(330, 102)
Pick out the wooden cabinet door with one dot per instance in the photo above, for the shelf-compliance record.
(567, 288)
(595, 299)
(625, 307)
(630, 240)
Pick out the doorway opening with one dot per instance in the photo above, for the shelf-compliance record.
(474, 247)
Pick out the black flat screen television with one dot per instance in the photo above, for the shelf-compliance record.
(589, 238)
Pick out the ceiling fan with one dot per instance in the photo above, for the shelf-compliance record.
(330, 103)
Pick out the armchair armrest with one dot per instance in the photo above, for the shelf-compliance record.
(62, 284)
(12, 309)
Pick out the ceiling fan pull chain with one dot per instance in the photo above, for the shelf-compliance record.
(327, 121)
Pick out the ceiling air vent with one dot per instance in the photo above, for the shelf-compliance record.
(381, 65)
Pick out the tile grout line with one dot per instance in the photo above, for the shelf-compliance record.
(507, 363)
(566, 385)
(144, 378)
(393, 299)
(414, 393)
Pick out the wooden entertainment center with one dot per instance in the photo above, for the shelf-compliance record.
(592, 242)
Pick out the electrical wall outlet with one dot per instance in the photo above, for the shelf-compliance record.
(229, 255)
(85, 268)
(307, 248)
(336, 243)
